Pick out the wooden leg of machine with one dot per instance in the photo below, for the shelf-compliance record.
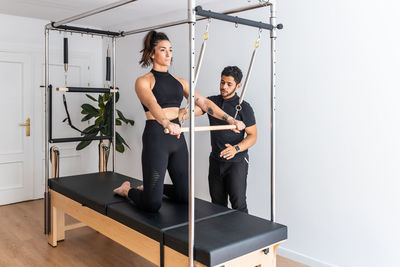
(103, 155)
(57, 224)
(55, 162)
(275, 248)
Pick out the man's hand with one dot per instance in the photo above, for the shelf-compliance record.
(239, 126)
(229, 152)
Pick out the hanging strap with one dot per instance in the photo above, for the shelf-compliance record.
(203, 48)
(65, 83)
(68, 118)
(198, 67)
(253, 56)
(108, 65)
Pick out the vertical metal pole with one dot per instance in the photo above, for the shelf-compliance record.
(114, 143)
(272, 20)
(46, 133)
(192, 23)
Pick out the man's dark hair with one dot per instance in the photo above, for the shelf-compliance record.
(233, 71)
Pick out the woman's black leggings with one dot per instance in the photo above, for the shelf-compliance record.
(161, 152)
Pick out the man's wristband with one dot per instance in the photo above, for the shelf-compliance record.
(237, 148)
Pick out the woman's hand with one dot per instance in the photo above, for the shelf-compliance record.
(239, 126)
(173, 129)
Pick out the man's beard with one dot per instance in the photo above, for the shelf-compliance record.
(230, 93)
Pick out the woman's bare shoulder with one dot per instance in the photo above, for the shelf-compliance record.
(182, 81)
(145, 79)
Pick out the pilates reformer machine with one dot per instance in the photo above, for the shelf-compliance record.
(195, 234)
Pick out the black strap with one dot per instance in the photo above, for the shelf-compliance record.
(68, 118)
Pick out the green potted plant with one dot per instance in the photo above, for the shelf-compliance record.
(102, 122)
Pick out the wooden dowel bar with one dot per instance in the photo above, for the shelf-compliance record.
(86, 90)
(206, 128)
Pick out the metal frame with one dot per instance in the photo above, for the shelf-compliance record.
(273, 35)
(73, 139)
(191, 21)
(192, 28)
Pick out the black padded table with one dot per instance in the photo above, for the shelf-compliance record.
(225, 237)
(221, 234)
(170, 215)
(94, 190)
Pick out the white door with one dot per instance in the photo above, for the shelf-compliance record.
(16, 147)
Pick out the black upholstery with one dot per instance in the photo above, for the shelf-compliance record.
(221, 234)
(170, 215)
(94, 190)
(225, 237)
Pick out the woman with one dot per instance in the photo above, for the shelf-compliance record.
(161, 95)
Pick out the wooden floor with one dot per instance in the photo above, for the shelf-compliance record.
(22, 243)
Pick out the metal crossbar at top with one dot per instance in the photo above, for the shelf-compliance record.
(180, 22)
(92, 12)
(209, 14)
(89, 31)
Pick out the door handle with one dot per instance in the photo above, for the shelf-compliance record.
(27, 124)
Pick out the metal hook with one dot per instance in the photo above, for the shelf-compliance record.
(257, 44)
(236, 25)
(208, 25)
(205, 35)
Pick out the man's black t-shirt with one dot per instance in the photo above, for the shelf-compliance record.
(220, 138)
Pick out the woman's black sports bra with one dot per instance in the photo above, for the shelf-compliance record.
(167, 90)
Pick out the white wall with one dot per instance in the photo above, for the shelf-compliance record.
(338, 146)
(337, 123)
(26, 36)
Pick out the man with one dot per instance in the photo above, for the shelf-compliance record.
(229, 158)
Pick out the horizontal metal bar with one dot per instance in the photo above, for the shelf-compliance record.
(156, 27)
(78, 139)
(84, 30)
(209, 14)
(85, 90)
(238, 10)
(180, 22)
(92, 12)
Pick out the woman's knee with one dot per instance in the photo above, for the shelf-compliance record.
(153, 205)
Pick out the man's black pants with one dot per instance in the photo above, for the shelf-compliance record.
(228, 179)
